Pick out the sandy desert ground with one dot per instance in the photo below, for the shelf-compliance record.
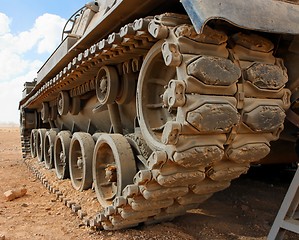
(245, 211)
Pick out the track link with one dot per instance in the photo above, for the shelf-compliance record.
(223, 107)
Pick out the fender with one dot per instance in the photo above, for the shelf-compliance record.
(261, 15)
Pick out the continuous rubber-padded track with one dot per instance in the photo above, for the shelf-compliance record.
(206, 109)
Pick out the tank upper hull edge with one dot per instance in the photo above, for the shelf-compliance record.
(261, 15)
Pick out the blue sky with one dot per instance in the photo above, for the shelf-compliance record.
(30, 31)
(23, 13)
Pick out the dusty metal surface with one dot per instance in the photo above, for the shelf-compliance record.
(260, 15)
(157, 116)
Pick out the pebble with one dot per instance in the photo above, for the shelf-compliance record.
(24, 205)
(12, 194)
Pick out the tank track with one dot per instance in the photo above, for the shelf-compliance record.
(25, 137)
(242, 86)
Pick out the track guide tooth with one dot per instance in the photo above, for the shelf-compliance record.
(119, 202)
(142, 177)
(81, 214)
(110, 210)
(130, 191)
(76, 208)
(95, 223)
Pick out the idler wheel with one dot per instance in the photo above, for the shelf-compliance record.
(113, 167)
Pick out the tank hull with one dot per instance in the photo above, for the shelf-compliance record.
(160, 114)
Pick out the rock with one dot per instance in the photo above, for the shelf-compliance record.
(2, 237)
(13, 194)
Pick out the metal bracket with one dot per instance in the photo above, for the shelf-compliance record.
(287, 218)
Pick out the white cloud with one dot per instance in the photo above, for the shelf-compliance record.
(10, 95)
(50, 34)
(4, 23)
(17, 66)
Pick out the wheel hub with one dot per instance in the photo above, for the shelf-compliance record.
(62, 157)
(80, 162)
(103, 85)
(111, 173)
(60, 103)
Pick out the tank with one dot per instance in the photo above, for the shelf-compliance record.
(156, 105)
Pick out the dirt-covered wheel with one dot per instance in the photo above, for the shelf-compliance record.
(49, 147)
(40, 141)
(80, 160)
(61, 154)
(153, 78)
(113, 167)
(33, 138)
